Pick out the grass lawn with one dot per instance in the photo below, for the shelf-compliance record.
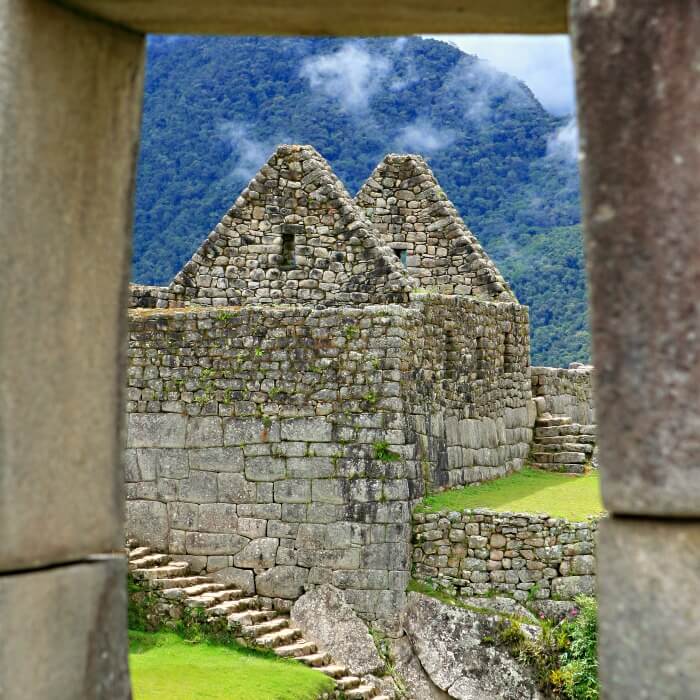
(528, 491)
(164, 666)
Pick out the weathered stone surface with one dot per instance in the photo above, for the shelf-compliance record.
(649, 631)
(68, 630)
(235, 488)
(168, 463)
(413, 675)
(156, 430)
(307, 430)
(452, 648)
(259, 554)
(147, 523)
(204, 432)
(61, 350)
(329, 621)
(217, 459)
(214, 543)
(499, 604)
(568, 587)
(241, 578)
(282, 582)
(218, 517)
(643, 321)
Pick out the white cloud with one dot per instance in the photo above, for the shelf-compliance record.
(476, 85)
(250, 153)
(351, 75)
(563, 143)
(542, 62)
(422, 137)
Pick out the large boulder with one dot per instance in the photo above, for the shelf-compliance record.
(455, 648)
(415, 680)
(330, 622)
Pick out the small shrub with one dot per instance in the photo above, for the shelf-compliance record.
(351, 332)
(383, 453)
(579, 662)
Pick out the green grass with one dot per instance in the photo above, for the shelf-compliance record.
(528, 491)
(165, 666)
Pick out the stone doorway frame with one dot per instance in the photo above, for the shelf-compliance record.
(70, 93)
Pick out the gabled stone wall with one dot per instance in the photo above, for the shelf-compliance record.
(413, 216)
(293, 235)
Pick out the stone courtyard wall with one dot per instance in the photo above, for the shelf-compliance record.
(480, 551)
(470, 404)
(565, 392)
(283, 446)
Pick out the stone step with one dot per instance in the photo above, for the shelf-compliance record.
(563, 447)
(214, 597)
(273, 625)
(280, 638)
(559, 457)
(250, 617)
(361, 692)
(563, 439)
(296, 650)
(189, 591)
(138, 552)
(348, 682)
(334, 670)
(563, 468)
(179, 582)
(148, 561)
(552, 421)
(231, 606)
(173, 569)
(315, 660)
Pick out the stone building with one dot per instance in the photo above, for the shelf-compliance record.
(317, 366)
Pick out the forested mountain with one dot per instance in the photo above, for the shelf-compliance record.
(216, 107)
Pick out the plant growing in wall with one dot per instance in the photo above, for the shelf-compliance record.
(383, 453)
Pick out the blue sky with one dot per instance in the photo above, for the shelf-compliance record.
(543, 62)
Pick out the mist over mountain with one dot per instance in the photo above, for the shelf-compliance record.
(215, 108)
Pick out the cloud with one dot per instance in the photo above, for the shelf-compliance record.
(563, 143)
(482, 90)
(250, 153)
(542, 62)
(351, 75)
(422, 137)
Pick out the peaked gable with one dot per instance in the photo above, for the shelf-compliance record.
(411, 213)
(293, 235)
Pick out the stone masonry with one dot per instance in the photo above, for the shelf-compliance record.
(301, 383)
(480, 551)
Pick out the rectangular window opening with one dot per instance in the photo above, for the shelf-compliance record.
(401, 254)
(288, 244)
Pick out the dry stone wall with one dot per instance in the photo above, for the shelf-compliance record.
(480, 551)
(281, 447)
(567, 392)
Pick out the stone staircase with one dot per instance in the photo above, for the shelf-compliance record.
(254, 625)
(561, 445)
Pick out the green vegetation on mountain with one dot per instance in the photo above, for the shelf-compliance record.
(216, 107)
